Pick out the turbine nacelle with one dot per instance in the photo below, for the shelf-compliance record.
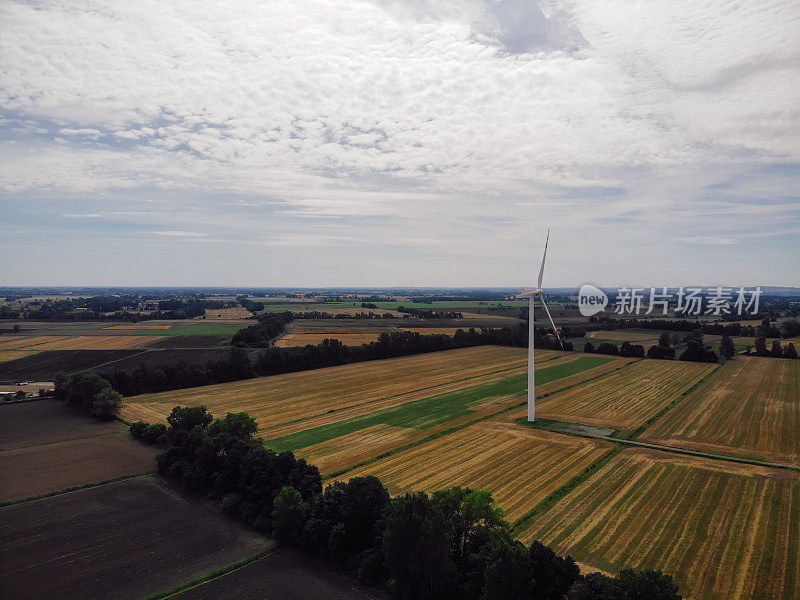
(530, 293)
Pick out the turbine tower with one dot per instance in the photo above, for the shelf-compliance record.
(530, 294)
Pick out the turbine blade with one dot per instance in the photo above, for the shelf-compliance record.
(551, 322)
(544, 256)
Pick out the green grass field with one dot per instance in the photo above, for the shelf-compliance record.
(436, 410)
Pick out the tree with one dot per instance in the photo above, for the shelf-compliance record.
(81, 388)
(17, 328)
(596, 586)
(288, 515)
(465, 511)
(106, 404)
(790, 328)
(790, 351)
(647, 585)
(664, 340)
(240, 425)
(661, 352)
(776, 350)
(726, 347)
(417, 549)
(187, 418)
(761, 344)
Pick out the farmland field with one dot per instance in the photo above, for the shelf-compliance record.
(80, 342)
(286, 575)
(46, 446)
(751, 407)
(519, 465)
(623, 336)
(626, 398)
(9, 355)
(725, 531)
(112, 541)
(345, 442)
(283, 398)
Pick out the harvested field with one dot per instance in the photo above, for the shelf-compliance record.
(425, 393)
(108, 542)
(227, 313)
(626, 398)
(751, 408)
(286, 575)
(347, 442)
(9, 355)
(519, 465)
(15, 342)
(725, 531)
(293, 396)
(623, 336)
(80, 342)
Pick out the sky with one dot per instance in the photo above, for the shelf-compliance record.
(399, 142)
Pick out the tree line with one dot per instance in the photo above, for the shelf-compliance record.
(330, 352)
(454, 544)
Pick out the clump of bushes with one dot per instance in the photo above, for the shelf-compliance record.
(90, 392)
(149, 434)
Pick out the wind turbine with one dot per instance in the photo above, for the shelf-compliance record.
(530, 294)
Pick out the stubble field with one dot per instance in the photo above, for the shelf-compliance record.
(294, 396)
(519, 465)
(627, 398)
(751, 408)
(724, 531)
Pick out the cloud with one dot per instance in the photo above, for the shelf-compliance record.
(456, 125)
(187, 234)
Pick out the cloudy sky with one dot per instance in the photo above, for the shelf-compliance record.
(399, 142)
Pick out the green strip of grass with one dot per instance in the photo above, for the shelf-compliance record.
(212, 575)
(436, 410)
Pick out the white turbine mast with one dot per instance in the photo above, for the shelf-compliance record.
(530, 294)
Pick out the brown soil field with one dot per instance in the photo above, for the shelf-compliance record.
(80, 342)
(285, 398)
(35, 470)
(44, 365)
(227, 313)
(124, 540)
(9, 355)
(751, 407)
(625, 336)
(627, 398)
(287, 575)
(46, 447)
(519, 465)
(46, 421)
(724, 531)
